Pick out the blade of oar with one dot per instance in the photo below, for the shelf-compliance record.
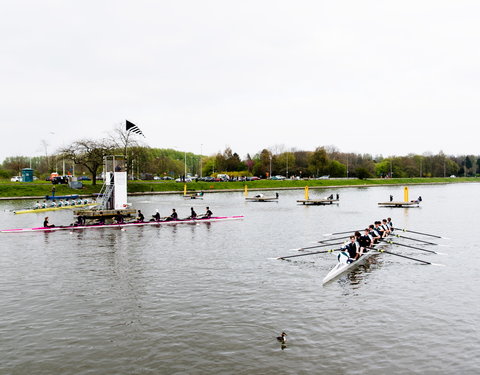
(333, 234)
(425, 234)
(414, 239)
(399, 255)
(412, 247)
(316, 246)
(305, 254)
(330, 239)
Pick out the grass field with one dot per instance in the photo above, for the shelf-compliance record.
(42, 188)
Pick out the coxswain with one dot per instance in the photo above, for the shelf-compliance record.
(156, 217)
(46, 224)
(140, 217)
(193, 214)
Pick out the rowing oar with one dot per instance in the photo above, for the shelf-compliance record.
(425, 234)
(331, 239)
(305, 254)
(414, 239)
(314, 247)
(333, 234)
(412, 247)
(398, 255)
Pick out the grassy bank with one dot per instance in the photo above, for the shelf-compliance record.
(40, 189)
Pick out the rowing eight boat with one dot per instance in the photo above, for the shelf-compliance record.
(122, 225)
(35, 210)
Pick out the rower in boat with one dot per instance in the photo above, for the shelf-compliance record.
(37, 205)
(207, 215)
(173, 216)
(46, 224)
(374, 234)
(44, 204)
(349, 251)
(118, 218)
(193, 214)
(365, 241)
(140, 217)
(386, 226)
(380, 230)
(390, 224)
(156, 217)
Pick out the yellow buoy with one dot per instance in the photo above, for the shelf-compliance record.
(405, 194)
(306, 193)
(184, 189)
(245, 193)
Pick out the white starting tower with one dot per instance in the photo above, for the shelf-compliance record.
(114, 190)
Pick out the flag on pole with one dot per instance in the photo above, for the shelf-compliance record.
(133, 128)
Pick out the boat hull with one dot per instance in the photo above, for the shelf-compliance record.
(36, 210)
(123, 225)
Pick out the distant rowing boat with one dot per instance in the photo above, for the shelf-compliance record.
(35, 210)
(122, 225)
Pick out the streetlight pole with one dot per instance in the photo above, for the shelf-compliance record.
(270, 165)
(201, 147)
(185, 175)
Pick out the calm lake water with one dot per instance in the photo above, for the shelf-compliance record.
(209, 298)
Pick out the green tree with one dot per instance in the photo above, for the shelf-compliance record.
(318, 162)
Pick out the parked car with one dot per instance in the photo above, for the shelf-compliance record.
(83, 178)
(187, 179)
(16, 179)
(253, 178)
(278, 177)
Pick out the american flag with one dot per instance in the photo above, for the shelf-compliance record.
(131, 127)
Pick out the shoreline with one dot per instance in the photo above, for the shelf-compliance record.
(252, 188)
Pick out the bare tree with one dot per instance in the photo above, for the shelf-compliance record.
(89, 153)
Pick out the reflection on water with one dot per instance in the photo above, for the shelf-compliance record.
(211, 298)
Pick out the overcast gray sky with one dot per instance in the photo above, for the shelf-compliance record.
(378, 77)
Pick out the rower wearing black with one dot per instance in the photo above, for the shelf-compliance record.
(208, 214)
(46, 224)
(365, 241)
(173, 216)
(193, 214)
(118, 218)
(352, 247)
(140, 217)
(156, 217)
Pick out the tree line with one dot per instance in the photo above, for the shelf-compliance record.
(86, 156)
